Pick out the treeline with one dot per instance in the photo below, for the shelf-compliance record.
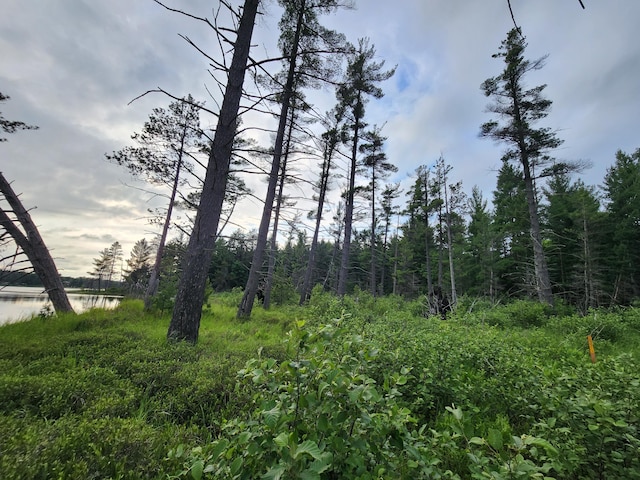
(455, 244)
(31, 279)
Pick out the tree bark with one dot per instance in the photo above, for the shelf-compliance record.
(348, 214)
(34, 248)
(324, 185)
(185, 322)
(273, 247)
(454, 294)
(246, 304)
(543, 283)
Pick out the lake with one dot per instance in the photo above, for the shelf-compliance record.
(21, 303)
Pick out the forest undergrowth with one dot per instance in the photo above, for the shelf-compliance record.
(353, 388)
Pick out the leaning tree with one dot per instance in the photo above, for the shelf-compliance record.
(17, 223)
(185, 321)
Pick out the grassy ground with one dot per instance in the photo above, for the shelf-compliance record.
(103, 395)
(383, 393)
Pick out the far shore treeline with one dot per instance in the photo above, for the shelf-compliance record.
(22, 279)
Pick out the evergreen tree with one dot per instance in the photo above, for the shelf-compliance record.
(185, 321)
(511, 229)
(622, 202)
(478, 261)
(167, 139)
(362, 77)
(301, 39)
(574, 223)
(16, 222)
(139, 265)
(390, 193)
(376, 168)
(329, 141)
(519, 108)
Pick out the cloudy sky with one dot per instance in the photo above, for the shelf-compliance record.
(72, 67)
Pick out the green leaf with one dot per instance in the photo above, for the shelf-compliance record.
(309, 475)
(323, 463)
(274, 473)
(196, 469)
(236, 465)
(323, 423)
(542, 443)
(593, 427)
(220, 446)
(457, 413)
(477, 441)
(495, 439)
(271, 417)
(282, 440)
(310, 447)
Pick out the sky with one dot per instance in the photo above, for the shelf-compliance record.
(72, 67)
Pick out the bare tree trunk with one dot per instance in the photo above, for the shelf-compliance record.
(324, 185)
(372, 273)
(426, 234)
(246, 304)
(185, 322)
(543, 283)
(34, 248)
(395, 259)
(276, 219)
(454, 295)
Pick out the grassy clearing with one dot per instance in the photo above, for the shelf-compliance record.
(362, 388)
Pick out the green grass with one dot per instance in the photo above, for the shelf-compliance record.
(103, 395)
(493, 392)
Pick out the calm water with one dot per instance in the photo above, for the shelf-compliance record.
(20, 303)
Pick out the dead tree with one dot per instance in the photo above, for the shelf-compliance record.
(25, 233)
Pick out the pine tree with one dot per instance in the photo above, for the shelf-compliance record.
(511, 230)
(622, 195)
(376, 168)
(167, 139)
(478, 265)
(519, 109)
(302, 37)
(362, 77)
(185, 321)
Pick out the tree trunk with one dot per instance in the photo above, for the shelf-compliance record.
(34, 248)
(348, 215)
(372, 273)
(324, 184)
(543, 284)
(276, 219)
(185, 322)
(454, 295)
(246, 305)
(154, 279)
(426, 234)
